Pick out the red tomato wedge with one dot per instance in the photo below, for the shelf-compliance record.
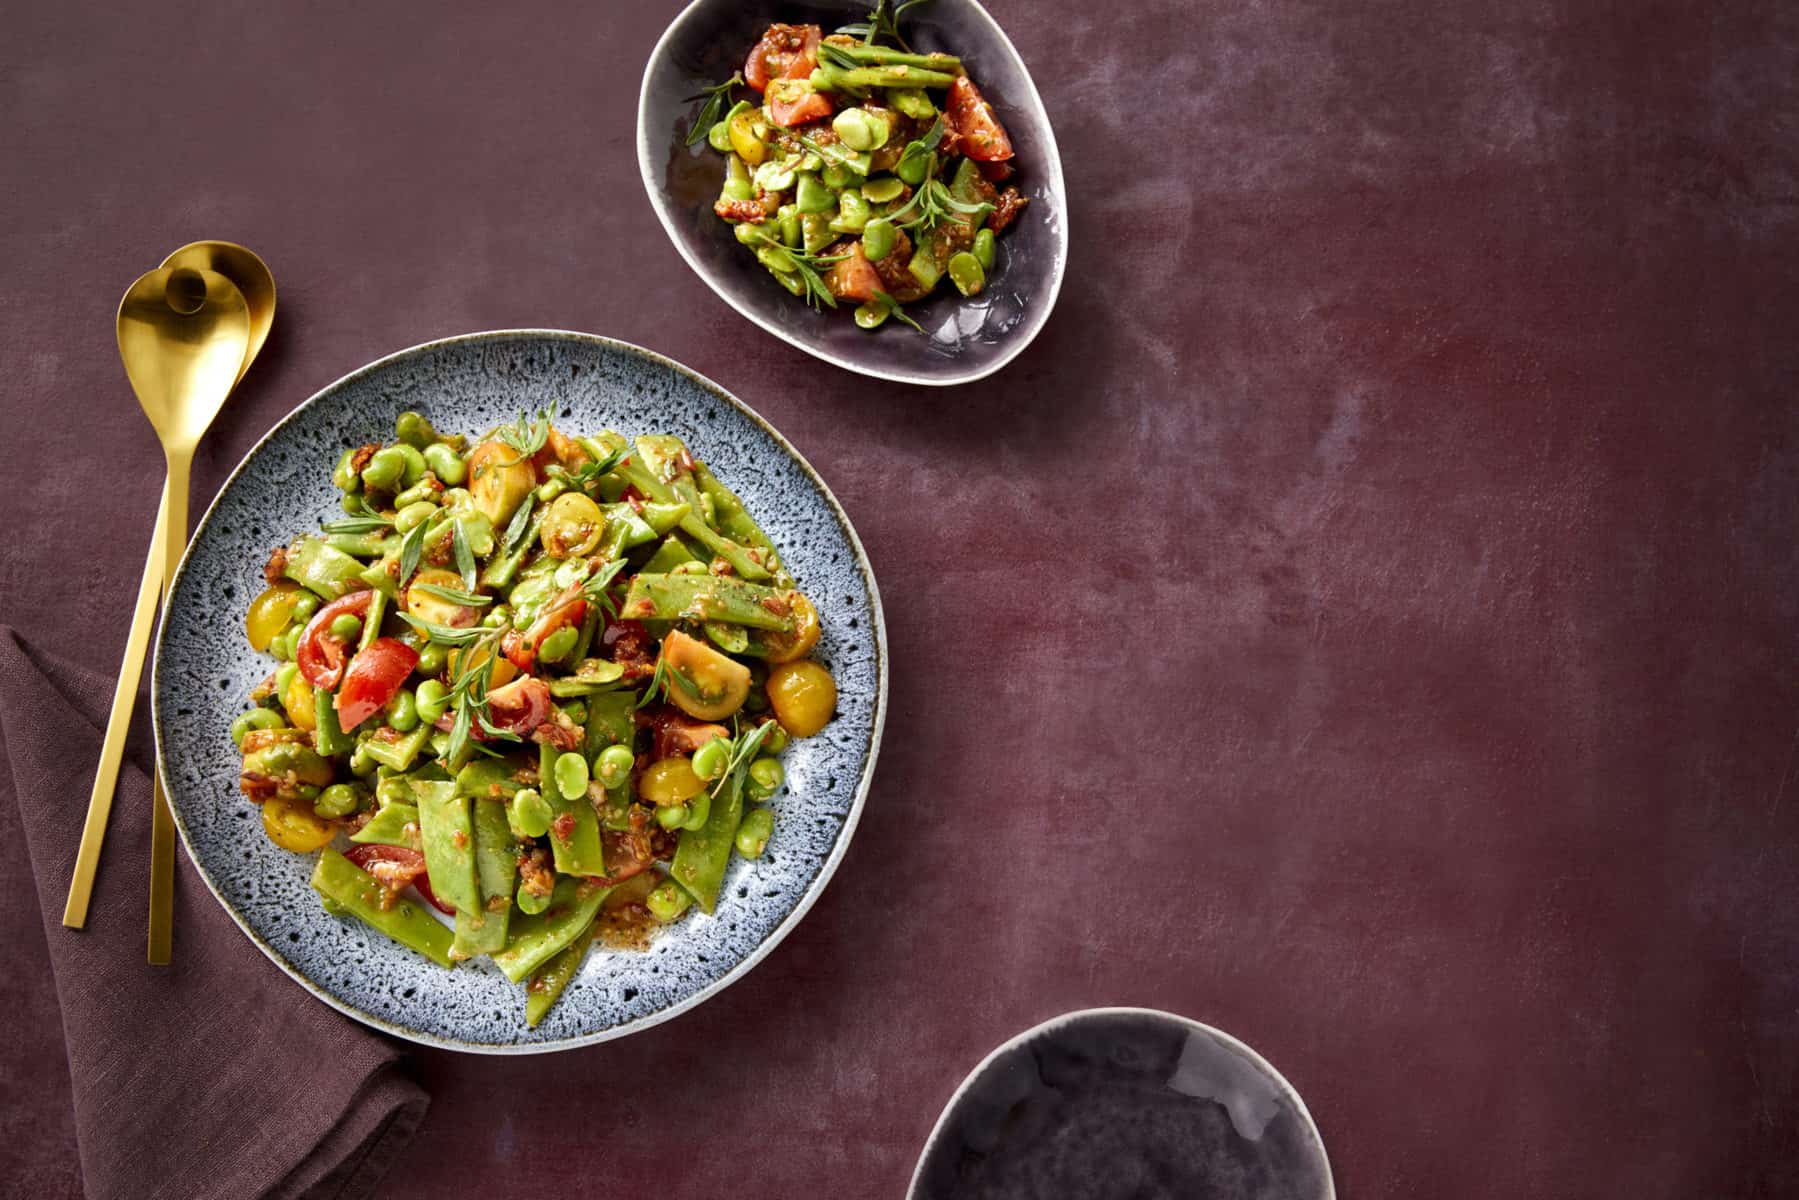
(321, 656)
(981, 135)
(520, 706)
(570, 608)
(678, 733)
(791, 103)
(396, 868)
(374, 677)
(855, 278)
(785, 52)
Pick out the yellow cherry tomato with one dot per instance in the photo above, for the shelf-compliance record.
(573, 525)
(292, 825)
(803, 695)
(750, 148)
(503, 670)
(499, 480)
(269, 614)
(299, 704)
(703, 683)
(669, 781)
(785, 647)
(436, 609)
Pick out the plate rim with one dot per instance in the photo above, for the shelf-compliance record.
(826, 871)
(1047, 304)
(1078, 1014)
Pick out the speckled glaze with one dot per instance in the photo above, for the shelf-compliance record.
(968, 338)
(1124, 1104)
(204, 669)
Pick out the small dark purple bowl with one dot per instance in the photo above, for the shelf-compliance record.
(1124, 1104)
(967, 339)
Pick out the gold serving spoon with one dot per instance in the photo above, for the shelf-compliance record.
(186, 334)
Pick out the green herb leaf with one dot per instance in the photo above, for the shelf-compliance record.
(896, 312)
(658, 685)
(715, 100)
(595, 586)
(410, 549)
(453, 595)
(743, 754)
(525, 436)
(465, 557)
(521, 521)
(357, 525)
(446, 635)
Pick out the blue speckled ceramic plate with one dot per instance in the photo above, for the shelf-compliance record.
(1122, 1104)
(204, 670)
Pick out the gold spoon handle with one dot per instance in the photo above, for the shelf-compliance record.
(112, 748)
(162, 822)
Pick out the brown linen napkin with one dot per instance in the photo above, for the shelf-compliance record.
(215, 1076)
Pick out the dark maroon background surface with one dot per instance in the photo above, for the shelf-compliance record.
(1365, 621)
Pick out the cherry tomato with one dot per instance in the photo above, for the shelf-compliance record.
(804, 696)
(982, 137)
(785, 52)
(520, 706)
(375, 676)
(791, 102)
(292, 825)
(321, 656)
(269, 614)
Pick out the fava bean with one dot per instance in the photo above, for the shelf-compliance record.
(614, 765)
(529, 813)
(753, 834)
(667, 901)
(424, 489)
(305, 604)
(671, 816)
(558, 645)
(882, 189)
(385, 470)
(431, 659)
(414, 515)
(340, 800)
(871, 315)
(403, 712)
(698, 810)
(497, 616)
(775, 740)
(861, 129)
(811, 196)
(571, 774)
(719, 136)
(966, 273)
(415, 468)
(766, 775)
(530, 903)
(709, 760)
(344, 473)
(878, 239)
(446, 464)
(284, 678)
(345, 627)
(415, 429)
(430, 701)
(983, 249)
(256, 718)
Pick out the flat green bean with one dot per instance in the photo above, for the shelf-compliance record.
(575, 830)
(394, 824)
(483, 929)
(446, 830)
(536, 937)
(702, 854)
(358, 893)
(706, 598)
(548, 980)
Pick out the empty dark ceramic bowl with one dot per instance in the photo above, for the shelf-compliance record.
(1124, 1104)
(967, 338)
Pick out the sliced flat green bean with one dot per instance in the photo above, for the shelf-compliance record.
(536, 937)
(702, 854)
(659, 475)
(446, 830)
(356, 892)
(394, 824)
(575, 829)
(706, 598)
(329, 736)
(483, 930)
(398, 755)
(321, 568)
(548, 980)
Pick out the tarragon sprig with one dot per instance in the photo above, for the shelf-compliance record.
(715, 100)
(525, 435)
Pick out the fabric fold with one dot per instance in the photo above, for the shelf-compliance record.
(215, 1076)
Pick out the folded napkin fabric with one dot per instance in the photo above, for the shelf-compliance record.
(217, 1075)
